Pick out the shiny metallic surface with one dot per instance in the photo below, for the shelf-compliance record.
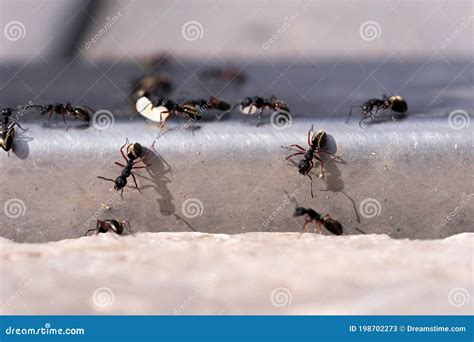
(401, 178)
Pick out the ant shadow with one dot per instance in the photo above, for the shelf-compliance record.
(158, 168)
(332, 175)
(80, 126)
(386, 118)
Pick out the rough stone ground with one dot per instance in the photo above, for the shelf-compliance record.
(253, 273)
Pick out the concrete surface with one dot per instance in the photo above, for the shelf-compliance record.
(254, 273)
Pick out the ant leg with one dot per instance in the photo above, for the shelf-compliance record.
(127, 226)
(321, 162)
(121, 151)
(135, 181)
(326, 151)
(350, 113)
(296, 145)
(18, 124)
(306, 221)
(166, 118)
(140, 167)
(311, 184)
(119, 164)
(90, 230)
(291, 148)
(260, 117)
(318, 226)
(293, 155)
(64, 119)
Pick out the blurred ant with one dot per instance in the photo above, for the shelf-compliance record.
(230, 74)
(156, 85)
(211, 103)
(157, 60)
(310, 215)
(7, 129)
(373, 107)
(115, 226)
(316, 143)
(134, 156)
(160, 110)
(66, 109)
(250, 105)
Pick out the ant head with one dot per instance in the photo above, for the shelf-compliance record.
(120, 183)
(246, 102)
(366, 108)
(299, 211)
(7, 111)
(319, 139)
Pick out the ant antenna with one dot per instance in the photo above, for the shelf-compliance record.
(107, 179)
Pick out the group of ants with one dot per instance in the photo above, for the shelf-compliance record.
(159, 110)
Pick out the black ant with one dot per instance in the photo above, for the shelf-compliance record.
(134, 156)
(310, 215)
(160, 110)
(7, 128)
(66, 109)
(250, 105)
(115, 226)
(211, 103)
(316, 143)
(372, 107)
